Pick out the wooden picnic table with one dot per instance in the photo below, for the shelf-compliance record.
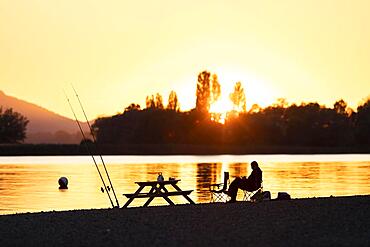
(158, 189)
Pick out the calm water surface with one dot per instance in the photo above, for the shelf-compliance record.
(29, 184)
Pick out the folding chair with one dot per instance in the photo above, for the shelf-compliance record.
(253, 196)
(217, 194)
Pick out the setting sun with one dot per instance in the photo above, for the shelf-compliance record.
(223, 105)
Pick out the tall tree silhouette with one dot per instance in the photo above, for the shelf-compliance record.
(208, 91)
(238, 97)
(203, 92)
(173, 102)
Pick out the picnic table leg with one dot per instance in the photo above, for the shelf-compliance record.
(150, 198)
(134, 196)
(186, 196)
(165, 197)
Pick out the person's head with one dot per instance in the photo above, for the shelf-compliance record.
(254, 165)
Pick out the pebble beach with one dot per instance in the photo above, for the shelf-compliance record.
(334, 221)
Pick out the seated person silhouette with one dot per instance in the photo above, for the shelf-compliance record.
(252, 183)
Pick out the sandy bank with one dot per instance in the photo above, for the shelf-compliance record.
(343, 221)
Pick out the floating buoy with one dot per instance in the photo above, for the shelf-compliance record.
(63, 183)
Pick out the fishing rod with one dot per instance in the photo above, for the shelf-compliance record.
(96, 145)
(88, 149)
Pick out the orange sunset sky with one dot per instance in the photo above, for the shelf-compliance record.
(118, 52)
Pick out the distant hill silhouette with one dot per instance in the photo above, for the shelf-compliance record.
(45, 126)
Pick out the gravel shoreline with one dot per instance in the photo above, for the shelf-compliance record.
(335, 221)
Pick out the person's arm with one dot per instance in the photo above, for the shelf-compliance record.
(258, 178)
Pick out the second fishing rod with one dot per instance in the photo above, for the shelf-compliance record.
(88, 150)
(96, 145)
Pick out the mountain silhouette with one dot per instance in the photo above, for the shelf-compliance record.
(45, 126)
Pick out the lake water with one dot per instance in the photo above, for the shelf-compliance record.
(30, 184)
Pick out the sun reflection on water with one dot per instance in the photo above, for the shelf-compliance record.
(34, 186)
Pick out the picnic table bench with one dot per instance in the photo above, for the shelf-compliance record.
(158, 189)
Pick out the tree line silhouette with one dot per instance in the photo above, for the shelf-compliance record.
(307, 124)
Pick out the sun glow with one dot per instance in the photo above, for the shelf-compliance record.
(221, 107)
(257, 91)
